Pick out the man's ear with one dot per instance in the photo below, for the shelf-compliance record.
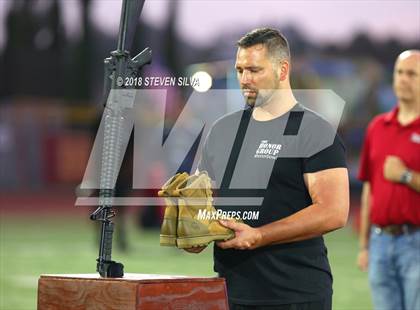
(284, 70)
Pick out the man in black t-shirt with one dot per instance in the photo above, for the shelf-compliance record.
(293, 159)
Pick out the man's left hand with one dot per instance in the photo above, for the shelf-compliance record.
(246, 237)
(393, 168)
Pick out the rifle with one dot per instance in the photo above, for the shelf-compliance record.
(117, 68)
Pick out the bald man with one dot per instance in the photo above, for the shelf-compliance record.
(390, 216)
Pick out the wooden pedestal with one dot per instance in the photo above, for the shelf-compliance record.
(134, 291)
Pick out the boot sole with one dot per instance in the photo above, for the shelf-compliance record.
(190, 242)
(167, 240)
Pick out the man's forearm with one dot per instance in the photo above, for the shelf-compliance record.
(310, 222)
(395, 170)
(415, 181)
(364, 217)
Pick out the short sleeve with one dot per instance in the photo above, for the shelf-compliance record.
(364, 168)
(333, 156)
(204, 163)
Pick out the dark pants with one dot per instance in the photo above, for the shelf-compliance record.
(326, 304)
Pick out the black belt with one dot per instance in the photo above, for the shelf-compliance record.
(397, 230)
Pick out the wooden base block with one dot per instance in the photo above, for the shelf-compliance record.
(133, 292)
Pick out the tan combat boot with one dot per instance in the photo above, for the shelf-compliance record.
(170, 218)
(195, 198)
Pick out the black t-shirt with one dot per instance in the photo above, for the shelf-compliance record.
(277, 152)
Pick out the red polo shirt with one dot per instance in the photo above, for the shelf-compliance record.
(391, 203)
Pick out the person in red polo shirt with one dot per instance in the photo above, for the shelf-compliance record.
(390, 215)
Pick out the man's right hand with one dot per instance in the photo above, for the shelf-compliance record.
(363, 260)
(195, 250)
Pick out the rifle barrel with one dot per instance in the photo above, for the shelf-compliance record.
(130, 13)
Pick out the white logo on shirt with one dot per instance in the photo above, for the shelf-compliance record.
(415, 137)
(267, 150)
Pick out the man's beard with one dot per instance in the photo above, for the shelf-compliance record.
(262, 96)
(250, 101)
(260, 99)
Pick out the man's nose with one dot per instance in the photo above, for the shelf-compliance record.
(245, 77)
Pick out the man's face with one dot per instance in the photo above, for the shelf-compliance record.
(407, 78)
(256, 74)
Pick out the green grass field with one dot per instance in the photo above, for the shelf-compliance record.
(30, 247)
